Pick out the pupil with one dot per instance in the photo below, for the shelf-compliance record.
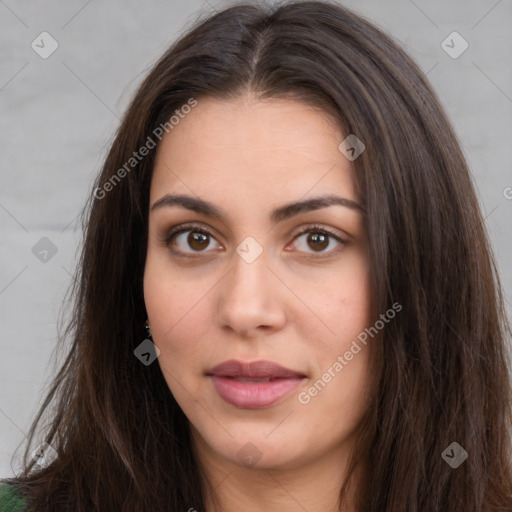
(320, 240)
(197, 241)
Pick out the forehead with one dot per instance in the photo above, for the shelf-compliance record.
(258, 149)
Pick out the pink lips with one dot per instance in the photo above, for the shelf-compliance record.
(253, 385)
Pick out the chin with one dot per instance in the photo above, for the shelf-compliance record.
(257, 451)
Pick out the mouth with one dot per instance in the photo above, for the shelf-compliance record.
(253, 385)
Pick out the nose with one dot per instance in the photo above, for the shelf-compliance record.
(250, 300)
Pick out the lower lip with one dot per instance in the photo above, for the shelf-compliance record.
(254, 395)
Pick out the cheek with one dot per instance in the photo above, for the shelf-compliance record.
(170, 295)
(343, 378)
(177, 310)
(346, 301)
(347, 305)
(351, 309)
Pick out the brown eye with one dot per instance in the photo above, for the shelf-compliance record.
(317, 241)
(198, 241)
(190, 240)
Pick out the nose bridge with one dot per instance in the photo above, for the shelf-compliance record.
(249, 298)
(248, 279)
(249, 272)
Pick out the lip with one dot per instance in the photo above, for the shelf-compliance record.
(253, 385)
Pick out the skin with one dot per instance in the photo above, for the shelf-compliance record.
(248, 157)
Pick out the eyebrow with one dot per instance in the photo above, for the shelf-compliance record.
(279, 214)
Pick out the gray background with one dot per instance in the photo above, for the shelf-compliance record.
(58, 116)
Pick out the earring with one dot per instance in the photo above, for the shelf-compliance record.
(147, 329)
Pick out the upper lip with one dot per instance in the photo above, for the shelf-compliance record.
(256, 369)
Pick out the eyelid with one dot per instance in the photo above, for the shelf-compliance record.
(319, 228)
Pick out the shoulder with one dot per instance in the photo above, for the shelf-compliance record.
(11, 499)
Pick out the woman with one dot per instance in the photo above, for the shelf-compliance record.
(286, 297)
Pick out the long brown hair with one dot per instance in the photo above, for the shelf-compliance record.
(123, 442)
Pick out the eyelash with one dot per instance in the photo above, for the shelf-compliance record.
(195, 228)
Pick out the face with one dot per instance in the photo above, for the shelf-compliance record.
(248, 262)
